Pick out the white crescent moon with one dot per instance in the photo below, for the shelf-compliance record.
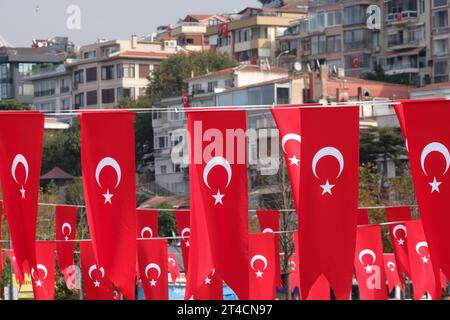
(146, 229)
(152, 266)
(399, 227)
(94, 267)
(66, 225)
(184, 231)
(41, 267)
(435, 147)
(256, 258)
(370, 253)
(172, 261)
(390, 264)
(19, 159)
(268, 230)
(288, 137)
(420, 245)
(108, 162)
(328, 151)
(217, 161)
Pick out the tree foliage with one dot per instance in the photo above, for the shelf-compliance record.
(384, 143)
(13, 105)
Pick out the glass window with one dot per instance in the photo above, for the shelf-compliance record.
(125, 70)
(108, 96)
(79, 76)
(355, 15)
(91, 74)
(91, 98)
(125, 93)
(440, 19)
(439, 3)
(212, 85)
(108, 72)
(441, 71)
(79, 100)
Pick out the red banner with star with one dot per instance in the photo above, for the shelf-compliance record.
(182, 218)
(65, 232)
(43, 274)
(392, 272)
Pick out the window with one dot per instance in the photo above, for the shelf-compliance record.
(440, 47)
(79, 76)
(108, 96)
(334, 44)
(212, 85)
(440, 19)
(161, 140)
(163, 169)
(65, 85)
(79, 100)
(125, 70)
(355, 15)
(358, 39)
(176, 116)
(441, 71)
(439, 3)
(144, 71)
(125, 93)
(65, 104)
(283, 96)
(357, 61)
(176, 168)
(90, 54)
(108, 72)
(91, 98)
(243, 35)
(25, 69)
(91, 74)
(318, 44)
(229, 83)
(197, 88)
(417, 34)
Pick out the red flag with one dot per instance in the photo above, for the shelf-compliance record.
(443, 281)
(96, 285)
(15, 267)
(173, 267)
(363, 217)
(43, 275)
(269, 222)
(369, 263)
(147, 223)
(392, 273)
(184, 231)
(211, 288)
(21, 143)
(424, 274)
(262, 266)
(110, 189)
(65, 231)
(399, 237)
(153, 266)
(219, 200)
(294, 273)
(428, 139)
(329, 196)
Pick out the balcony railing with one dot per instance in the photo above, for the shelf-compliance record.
(403, 16)
(401, 66)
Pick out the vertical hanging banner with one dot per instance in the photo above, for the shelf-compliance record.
(399, 237)
(369, 263)
(269, 222)
(392, 273)
(147, 223)
(21, 143)
(328, 196)
(219, 200)
(153, 267)
(65, 232)
(96, 285)
(15, 267)
(109, 184)
(43, 274)
(173, 267)
(182, 218)
(425, 124)
(424, 274)
(262, 266)
(363, 217)
(211, 288)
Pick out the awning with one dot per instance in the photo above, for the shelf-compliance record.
(411, 52)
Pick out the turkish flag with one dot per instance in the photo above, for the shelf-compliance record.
(21, 144)
(43, 274)
(109, 183)
(269, 222)
(363, 217)
(369, 263)
(424, 274)
(182, 218)
(15, 267)
(219, 200)
(428, 140)
(65, 231)
(392, 272)
(153, 266)
(262, 267)
(147, 223)
(96, 285)
(173, 267)
(211, 288)
(399, 237)
(328, 196)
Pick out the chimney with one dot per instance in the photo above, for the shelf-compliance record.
(341, 73)
(312, 87)
(134, 41)
(360, 94)
(324, 76)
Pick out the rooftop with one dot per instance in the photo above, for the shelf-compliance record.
(57, 174)
(240, 68)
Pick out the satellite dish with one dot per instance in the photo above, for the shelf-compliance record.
(298, 66)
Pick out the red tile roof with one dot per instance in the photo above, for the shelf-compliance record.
(57, 174)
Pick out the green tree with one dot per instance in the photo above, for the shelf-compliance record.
(13, 105)
(386, 143)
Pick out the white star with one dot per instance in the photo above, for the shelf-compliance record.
(97, 284)
(259, 274)
(187, 243)
(435, 185)
(424, 259)
(67, 238)
(327, 188)
(108, 197)
(207, 280)
(218, 197)
(368, 269)
(401, 242)
(294, 161)
(39, 283)
(392, 269)
(153, 283)
(22, 191)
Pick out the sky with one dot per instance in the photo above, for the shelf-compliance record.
(21, 21)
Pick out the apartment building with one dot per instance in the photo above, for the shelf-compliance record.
(108, 71)
(250, 34)
(440, 10)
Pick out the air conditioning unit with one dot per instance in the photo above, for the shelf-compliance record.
(170, 43)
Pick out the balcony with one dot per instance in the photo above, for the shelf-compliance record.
(401, 17)
(400, 68)
(189, 28)
(399, 44)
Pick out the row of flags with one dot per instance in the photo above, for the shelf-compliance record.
(321, 149)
